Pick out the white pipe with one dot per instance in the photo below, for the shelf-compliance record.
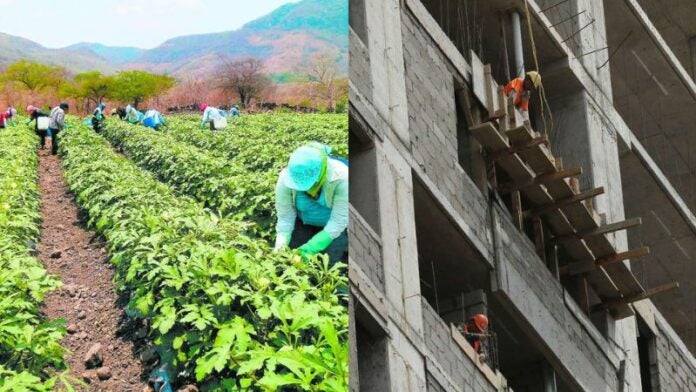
(517, 44)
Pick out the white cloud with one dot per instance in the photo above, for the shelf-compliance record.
(4, 3)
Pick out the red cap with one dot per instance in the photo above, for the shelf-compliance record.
(203, 106)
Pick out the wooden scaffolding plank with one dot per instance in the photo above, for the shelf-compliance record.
(493, 141)
(542, 161)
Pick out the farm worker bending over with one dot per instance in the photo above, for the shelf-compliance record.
(520, 89)
(56, 124)
(40, 129)
(234, 112)
(120, 112)
(211, 115)
(132, 115)
(312, 203)
(98, 117)
(153, 119)
(6, 119)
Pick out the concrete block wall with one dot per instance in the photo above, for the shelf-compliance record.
(366, 249)
(433, 124)
(525, 285)
(676, 370)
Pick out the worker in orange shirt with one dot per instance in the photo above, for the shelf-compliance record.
(474, 330)
(521, 89)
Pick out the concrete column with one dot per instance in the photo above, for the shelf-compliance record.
(517, 44)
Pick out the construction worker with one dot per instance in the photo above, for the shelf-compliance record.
(40, 129)
(98, 117)
(212, 115)
(133, 116)
(474, 330)
(153, 119)
(520, 89)
(312, 203)
(57, 124)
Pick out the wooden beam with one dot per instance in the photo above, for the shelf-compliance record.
(564, 202)
(629, 254)
(628, 223)
(638, 297)
(584, 267)
(514, 149)
(539, 180)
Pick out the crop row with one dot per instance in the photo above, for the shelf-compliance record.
(223, 309)
(30, 349)
(263, 142)
(227, 188)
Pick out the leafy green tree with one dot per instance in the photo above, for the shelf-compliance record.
(35, 76)
(92, 86)
(138, 86)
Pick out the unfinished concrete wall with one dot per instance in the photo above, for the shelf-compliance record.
(433, 125)
(676, 369)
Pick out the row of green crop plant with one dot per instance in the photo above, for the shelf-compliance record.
(224, 310)
(264, 142)
(30, 352)
(220, 184)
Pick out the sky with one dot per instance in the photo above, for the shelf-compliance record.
(140, 23)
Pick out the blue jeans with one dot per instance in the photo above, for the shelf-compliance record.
(337, 251)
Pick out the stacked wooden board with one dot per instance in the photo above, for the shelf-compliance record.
(611, 282)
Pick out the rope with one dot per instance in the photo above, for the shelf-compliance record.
(542, 91)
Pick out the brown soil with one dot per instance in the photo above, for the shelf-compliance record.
(88, 300)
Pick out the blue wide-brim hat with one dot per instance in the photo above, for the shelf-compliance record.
(304, 168)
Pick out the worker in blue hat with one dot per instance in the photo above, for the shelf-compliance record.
(98, 117)
(312, 203)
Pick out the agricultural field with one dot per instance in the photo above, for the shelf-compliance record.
(187, 218)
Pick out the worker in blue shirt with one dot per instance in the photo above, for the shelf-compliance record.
(312, 203)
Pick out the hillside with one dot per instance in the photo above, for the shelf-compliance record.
(14, 48)
(114, 54)
(285, 39)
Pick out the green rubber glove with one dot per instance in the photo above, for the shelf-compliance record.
(318, 243)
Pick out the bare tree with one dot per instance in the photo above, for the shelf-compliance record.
(243, 77)
(323, 72)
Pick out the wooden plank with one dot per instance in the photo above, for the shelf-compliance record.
(638, 297)
(540, 180)
(540, 160)
(582, 267)
(537, 195)
(516, 148)
(564, 202)
(628, 223)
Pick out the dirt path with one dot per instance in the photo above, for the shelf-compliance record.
(87, 301)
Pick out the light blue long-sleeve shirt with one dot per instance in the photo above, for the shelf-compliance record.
(329, 211)
(210, 114)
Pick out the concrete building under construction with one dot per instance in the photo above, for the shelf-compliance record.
(570, 226)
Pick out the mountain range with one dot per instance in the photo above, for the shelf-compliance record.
(285, 40)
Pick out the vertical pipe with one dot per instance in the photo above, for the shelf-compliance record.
(517, 44)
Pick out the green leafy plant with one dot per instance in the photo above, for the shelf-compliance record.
(30, 350)
(224, 311)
